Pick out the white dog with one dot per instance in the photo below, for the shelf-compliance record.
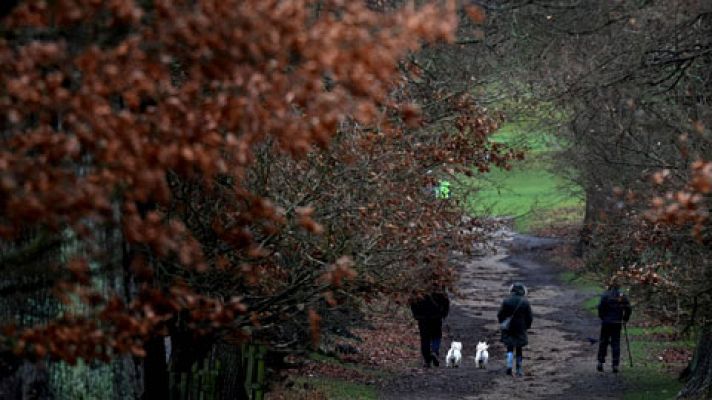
(482, 355)
(454, 356)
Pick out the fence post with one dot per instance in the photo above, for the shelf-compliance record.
(183, 386)
(194, 382)
(250, 369)
(259, 385)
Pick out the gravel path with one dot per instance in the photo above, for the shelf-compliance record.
(559, 362)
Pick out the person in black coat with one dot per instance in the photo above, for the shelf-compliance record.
(515, 336)
(430, 310)
(614, 310)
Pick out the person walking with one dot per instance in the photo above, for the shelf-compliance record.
(430, 310)
(614, 310)
(515, 318)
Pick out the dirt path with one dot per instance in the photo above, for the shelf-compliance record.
(559, 362)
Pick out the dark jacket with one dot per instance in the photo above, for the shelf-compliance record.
(431, 306)
(521, 320)
(614, 307)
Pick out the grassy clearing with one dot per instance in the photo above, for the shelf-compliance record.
(530, 192)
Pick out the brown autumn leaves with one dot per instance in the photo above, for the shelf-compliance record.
(239, 149)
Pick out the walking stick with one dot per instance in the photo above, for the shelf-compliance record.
(627, 344)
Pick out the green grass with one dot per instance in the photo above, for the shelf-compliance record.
(529, 192)
(650, 330)
(591, 305)
(653, 385)
(649, 380)
(523, 137)
(588, 283)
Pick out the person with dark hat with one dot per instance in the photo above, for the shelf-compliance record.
(614, 310)
(515, 318)
(430, 310)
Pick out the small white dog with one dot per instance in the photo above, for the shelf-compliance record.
(454, 356)
(482, 355)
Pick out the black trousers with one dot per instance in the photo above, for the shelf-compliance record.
(610, 334)
(431, 333)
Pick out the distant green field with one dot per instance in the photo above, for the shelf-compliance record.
(530, 191)
(520, 136)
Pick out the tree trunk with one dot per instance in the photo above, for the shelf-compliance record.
(586, 231)
(699, 383)
(232, 377)
(155, 381)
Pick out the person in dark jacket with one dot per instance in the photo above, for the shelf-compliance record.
(430, 310)
(614, 310)
(515, 337)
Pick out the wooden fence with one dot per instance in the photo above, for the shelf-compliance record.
(204, 380)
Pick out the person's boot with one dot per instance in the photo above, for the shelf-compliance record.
(510, 358)
(520, 372)
(615, 369)
(434, 359)
(427, 362)
(599, 367)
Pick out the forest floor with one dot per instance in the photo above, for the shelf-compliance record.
(559, 362)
